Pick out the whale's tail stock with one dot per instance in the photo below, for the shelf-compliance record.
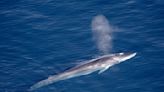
(45, 82)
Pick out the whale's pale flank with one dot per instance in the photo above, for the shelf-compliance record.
(99, 64)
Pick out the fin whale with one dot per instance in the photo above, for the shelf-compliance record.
(100, 64)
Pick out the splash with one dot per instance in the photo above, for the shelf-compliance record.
(102, 33)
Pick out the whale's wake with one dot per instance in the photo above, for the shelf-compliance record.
(102, 33)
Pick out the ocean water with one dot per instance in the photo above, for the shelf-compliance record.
(39, 38)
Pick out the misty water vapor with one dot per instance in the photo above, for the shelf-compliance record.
(102, 33)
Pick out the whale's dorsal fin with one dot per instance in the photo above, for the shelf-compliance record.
(102, 70)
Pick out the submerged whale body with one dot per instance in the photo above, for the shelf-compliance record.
(99, 64)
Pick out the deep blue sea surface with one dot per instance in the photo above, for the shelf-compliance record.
(39, 38)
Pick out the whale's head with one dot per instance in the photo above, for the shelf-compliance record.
(120, 57)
